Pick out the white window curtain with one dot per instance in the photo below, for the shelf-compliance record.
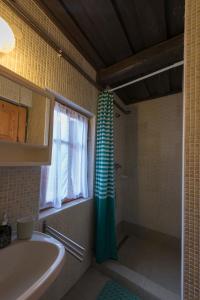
(66, 178)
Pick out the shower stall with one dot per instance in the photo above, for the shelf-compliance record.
(148, 168)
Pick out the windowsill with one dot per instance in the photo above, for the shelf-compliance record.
(52, 211)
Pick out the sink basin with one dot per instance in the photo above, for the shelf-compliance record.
(29, 267)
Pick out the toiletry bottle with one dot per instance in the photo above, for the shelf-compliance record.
(5, 232)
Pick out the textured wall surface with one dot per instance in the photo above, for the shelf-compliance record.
(34, 60)
(119, 140)
(19, 192)
(153, 165)
(192, 150)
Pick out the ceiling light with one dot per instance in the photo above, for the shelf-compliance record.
(7, 38)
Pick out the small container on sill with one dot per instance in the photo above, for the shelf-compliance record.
(25, 228)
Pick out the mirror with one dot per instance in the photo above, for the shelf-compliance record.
(24, 114)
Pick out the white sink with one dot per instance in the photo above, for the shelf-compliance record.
(27, 268)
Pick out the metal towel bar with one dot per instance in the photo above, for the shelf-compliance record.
(70, 246)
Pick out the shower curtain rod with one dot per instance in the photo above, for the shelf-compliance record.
(175, 65)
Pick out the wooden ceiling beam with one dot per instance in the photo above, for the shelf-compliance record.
(144, 62)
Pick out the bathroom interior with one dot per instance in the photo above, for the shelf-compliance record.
(99, 149)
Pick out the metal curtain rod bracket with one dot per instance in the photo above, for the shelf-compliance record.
(70, 246)
(175, 65)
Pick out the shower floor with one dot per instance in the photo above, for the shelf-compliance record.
(158, 262)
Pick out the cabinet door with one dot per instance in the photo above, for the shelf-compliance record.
(22, 124)
(25, 96)
(38, 121)
(9, 90)
(8, 121)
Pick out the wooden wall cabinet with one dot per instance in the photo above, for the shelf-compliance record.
(8, 121)
(12, 122)
(26, 118)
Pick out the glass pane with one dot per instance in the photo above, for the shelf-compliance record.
(67, 175)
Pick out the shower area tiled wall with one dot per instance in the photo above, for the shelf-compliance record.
(148, 150)
(119, 140)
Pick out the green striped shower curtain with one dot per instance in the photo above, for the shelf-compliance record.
(106, 245)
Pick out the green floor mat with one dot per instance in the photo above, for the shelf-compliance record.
(114, 291)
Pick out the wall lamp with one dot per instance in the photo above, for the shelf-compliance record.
(7, 38)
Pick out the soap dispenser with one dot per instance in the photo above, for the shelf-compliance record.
(5, 232)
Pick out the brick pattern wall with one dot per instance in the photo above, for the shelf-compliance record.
(192, 150)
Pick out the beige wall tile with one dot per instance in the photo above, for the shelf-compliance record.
(153, 150)
(191, 151)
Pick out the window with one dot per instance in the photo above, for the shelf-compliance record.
(66, 178)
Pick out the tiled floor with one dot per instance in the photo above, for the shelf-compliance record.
(158, 262)
(88, 287)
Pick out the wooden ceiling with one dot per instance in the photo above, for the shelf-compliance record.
(113, 34)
